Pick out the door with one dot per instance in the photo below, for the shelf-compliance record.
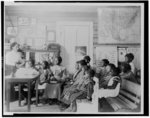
(76, 40)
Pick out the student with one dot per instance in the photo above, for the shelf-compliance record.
(27, 71)
(126, 72)
(101, 70)
(53, 90)
(111, 86)
(77, 77)
(110, 72)
(44, 73)
(129, 59)
(87, 60)
(83, 90)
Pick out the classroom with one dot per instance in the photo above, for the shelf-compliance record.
(84, 58)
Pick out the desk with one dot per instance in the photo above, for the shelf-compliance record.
(22, 79)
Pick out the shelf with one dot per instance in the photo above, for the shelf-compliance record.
(116, 44)
(33, 50)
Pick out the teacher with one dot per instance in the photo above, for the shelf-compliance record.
(12, 59)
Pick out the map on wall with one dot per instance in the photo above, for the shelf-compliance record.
(119, 24)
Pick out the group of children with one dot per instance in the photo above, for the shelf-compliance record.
(60, 87)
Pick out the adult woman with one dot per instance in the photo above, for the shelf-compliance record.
(58, 75)
(83, 90)
(12, 59)
(126, 72)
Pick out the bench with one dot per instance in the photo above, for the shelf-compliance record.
(128, 98)
(84, 106)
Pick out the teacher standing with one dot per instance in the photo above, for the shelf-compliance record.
(12, 59)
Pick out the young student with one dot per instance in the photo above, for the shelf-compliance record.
(126, 72)
(78, 77)
(44, 73)
(110, 73)
(111, 86)
(87, 60)
(83, 90)
(129, 59)
(101, 70)
(27, 71)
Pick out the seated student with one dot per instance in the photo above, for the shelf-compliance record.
(44, 76)
(129, 59)
(77, 77)
(126, 72)
(58, 75)
(83, 90)
(27, 71)
(87, 60)
(111, 86)
(44, 72)
(109, 70)
(101, 70)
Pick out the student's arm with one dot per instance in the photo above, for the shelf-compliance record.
(113, 86)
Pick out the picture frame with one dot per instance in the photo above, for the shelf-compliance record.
(12, 31)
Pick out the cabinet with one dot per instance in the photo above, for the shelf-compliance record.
(52, 51)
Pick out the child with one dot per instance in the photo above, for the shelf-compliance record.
(45, 72)
(101, 70)
(84, 90)
(126, 72)
(129, 59)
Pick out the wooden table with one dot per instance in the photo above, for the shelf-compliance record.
(19, 80)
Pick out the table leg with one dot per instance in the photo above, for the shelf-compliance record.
(29, 96)
(19, 89)
(37, 97)
(7, 96)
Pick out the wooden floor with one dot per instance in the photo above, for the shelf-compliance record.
(55, 108)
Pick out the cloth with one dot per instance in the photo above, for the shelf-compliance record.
(12, 58)
(80, 91)
(53, 90)
(26, 71)
(58, 71)
(77, 78)
(110, 92)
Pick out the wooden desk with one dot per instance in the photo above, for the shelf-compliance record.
(22, 79)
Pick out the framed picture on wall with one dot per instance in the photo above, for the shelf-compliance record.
(12, 31)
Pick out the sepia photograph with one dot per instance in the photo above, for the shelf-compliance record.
(73, 58)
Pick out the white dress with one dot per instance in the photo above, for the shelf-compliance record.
(109, 92)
